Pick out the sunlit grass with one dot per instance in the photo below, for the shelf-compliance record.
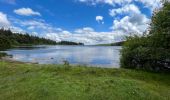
(20, 81)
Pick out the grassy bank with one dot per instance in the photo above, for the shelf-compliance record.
(20, 81)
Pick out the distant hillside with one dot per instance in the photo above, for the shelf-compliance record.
(9, 39)
(68, 43)
(113, 44)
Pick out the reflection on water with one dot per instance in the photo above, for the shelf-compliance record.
(101, 56)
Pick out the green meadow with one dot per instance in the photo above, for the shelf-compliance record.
(21, 81)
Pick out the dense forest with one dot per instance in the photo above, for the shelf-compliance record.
(150, 51)
(68, 43)
(9, 39)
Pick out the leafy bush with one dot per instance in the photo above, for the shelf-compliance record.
(151, 51)
(134, 52)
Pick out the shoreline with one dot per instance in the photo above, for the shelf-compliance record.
(11, 60)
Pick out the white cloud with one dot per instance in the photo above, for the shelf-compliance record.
(84, 30)
(148, 3)
(133, 21)
(86, 35)
(99, 19)
(33, 25)
(26, 12)
(4, 22)
(136, 23)
(110, 2)
(41, 28)
(127, 17)
(17, 30)
(152, 4)
(131, 8)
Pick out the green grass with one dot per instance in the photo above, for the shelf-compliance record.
(20, 81)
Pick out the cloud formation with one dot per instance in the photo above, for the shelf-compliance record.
(152, 4)
(126, 18)
(110, 2)
(133, 21)
(4, 22)
(136, 23)
(40, 25)
(148, 3)
(86, 35)
(26, 12)
(99, 19)
(130, 8)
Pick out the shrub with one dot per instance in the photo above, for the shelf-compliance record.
(134, 52)
(151, 51)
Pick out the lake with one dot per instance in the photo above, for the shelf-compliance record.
(98, 56)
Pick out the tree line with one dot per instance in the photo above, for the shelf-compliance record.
(69, 43)
(9, 39)
(150, 51)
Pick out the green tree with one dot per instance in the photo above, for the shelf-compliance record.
(4, 43)
(8, 39)
(151, 51)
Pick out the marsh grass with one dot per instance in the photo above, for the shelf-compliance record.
(20, 81)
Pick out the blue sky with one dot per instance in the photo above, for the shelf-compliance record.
(87, 21)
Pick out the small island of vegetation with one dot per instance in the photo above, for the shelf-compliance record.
(113, 44)
(69, 43)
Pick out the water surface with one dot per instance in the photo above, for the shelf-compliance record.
(99, 56)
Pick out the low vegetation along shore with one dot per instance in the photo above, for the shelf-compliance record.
(20, 81)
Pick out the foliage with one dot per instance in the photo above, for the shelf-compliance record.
(150, 51)
(113, 44)
(7, 39)
(55, 82)
(69, 43)
(4, 43)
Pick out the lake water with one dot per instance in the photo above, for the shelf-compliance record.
(99, 56)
